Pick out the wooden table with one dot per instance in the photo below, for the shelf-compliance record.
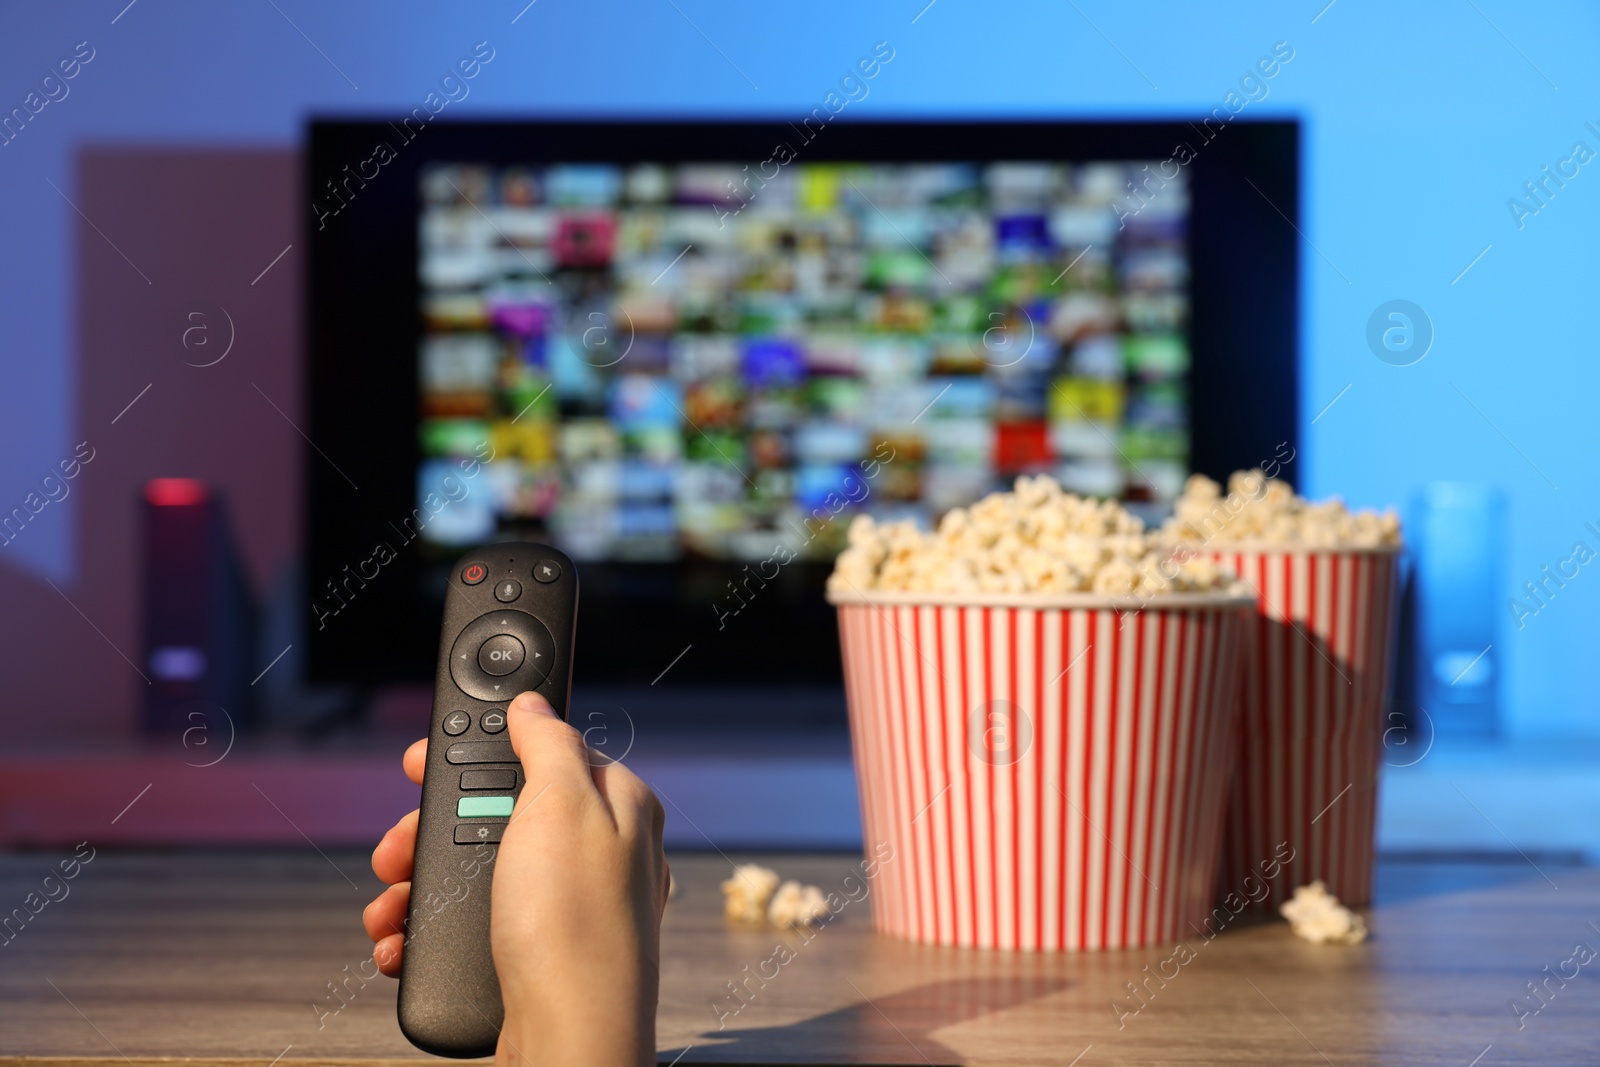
(228, 956)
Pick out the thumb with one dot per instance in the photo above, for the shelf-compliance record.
(551, 752)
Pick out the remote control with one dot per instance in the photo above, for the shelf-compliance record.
(509, 616)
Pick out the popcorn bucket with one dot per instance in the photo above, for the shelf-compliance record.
(1314, 692)
(1049, 771)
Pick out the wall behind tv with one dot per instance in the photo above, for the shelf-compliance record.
(1422, 122)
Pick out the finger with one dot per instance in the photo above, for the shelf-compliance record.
(552, 753)
(637, 814)
(386, 954)
(415, 759)
(634, 805)
(387, 913)
(392, 860)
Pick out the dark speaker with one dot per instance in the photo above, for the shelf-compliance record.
(199, 619)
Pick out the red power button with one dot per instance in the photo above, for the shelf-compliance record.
(473, 573)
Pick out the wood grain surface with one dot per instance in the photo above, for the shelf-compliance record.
(227, 957)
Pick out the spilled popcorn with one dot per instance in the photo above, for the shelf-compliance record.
(747, 893)
(1258, 508)
(1317, 916)
(796, 905)
(1037, 538)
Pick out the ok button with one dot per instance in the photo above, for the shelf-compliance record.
(500, 655)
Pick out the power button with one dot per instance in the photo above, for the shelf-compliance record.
(473, 573)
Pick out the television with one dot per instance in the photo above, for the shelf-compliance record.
(688, 353)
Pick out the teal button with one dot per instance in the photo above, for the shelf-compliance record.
(485, 807)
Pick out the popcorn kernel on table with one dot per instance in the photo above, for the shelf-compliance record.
(797, 905)
(1316, 915)
(747, 894)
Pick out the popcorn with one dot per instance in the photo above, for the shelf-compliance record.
(747, 893)
(1035, 539)
(753, 895)
(1317, 916)
(1258, 508)
(797, 905)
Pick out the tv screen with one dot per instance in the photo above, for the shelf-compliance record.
(689, 353)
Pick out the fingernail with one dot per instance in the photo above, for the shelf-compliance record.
(532, 702)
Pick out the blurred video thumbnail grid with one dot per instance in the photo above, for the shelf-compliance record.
(695, 359)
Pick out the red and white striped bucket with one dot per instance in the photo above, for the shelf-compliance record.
(1314, 692)
(1050, 771)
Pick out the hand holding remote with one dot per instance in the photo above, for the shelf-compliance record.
(578, 889)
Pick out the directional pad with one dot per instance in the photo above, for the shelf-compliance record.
(479, 660)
